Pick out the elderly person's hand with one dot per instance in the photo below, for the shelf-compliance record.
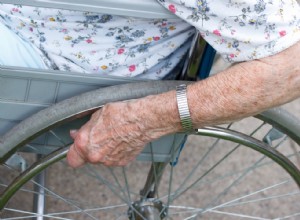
(118, 132)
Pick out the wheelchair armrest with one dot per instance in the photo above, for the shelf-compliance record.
(135, 8)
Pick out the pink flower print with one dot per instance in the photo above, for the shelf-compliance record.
(217, 32)
(15, 10)
(31, 29)
(132, 68)
(172, 9)
(121, 51)
(89, 41)
(64, 30)
(156, 38)
(282, 33)
(231, 55)
(164, 24)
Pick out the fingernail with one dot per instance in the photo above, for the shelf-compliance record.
(73, 131)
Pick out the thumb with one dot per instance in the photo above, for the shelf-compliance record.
(74, 158)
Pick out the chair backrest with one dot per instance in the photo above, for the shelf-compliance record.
(135, 8)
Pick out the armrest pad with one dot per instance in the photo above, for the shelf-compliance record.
(134, 8)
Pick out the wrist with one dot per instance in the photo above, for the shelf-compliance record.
(161, 112)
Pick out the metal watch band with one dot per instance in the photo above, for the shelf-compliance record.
(183, 108)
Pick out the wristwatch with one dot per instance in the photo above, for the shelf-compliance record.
(183, 108)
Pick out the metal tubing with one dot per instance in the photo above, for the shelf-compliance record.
(253, 143)
(30, 173)
(153, 179)
(133, 8)
(39, 196)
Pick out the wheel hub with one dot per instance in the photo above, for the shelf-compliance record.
(150, 209)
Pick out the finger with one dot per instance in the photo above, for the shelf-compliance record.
(126, 160)
(74, 158)
(99, 154)
(73, 133)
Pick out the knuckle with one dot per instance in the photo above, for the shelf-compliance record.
(81, 140)
(94, 158)
(112, 108)
(106, 108)
(109, 163)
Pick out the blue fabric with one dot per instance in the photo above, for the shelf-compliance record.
(207, 61)
(16, 52)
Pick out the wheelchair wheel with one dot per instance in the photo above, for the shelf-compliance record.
(213, 177)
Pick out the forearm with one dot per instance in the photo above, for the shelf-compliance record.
(242, 90)
(117, 133)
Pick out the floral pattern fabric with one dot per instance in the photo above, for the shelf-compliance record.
(242, 30)
(99, 43)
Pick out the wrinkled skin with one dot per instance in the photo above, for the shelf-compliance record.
(116, 134)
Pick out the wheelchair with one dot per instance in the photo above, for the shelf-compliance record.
(247, 169)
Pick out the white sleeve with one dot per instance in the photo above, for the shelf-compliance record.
(16, 51)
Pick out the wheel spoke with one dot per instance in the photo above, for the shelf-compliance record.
(57, 196)
(126, 185)
(170, 186)
(237, 215)
(113, 190)
(237, 180)
(124, 191)
(89, 210)
(58, 138)
(185, 210)
(245, 196)
(203, 158)
(103, 180)
(116, 180)
(154, 173)
(29, 215)
(262, 199)
(290, 216)
(178, 192)
(180, 189)
(64, 200)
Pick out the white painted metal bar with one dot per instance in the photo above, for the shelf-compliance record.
(134, 8)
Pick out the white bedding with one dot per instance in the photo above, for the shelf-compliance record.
(16, 52)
